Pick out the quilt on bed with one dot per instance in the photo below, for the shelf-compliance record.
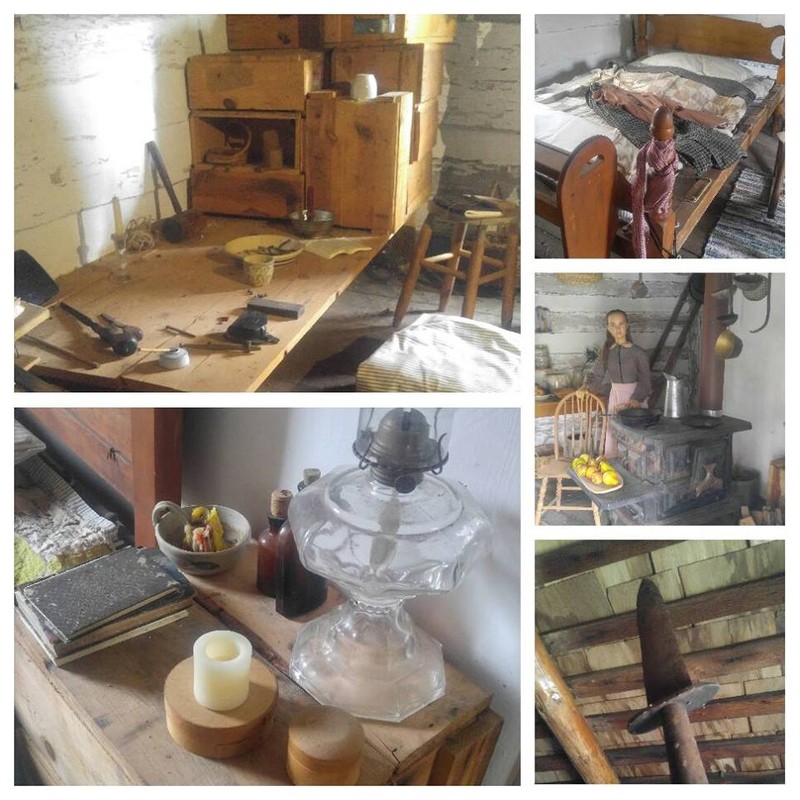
(709, 97)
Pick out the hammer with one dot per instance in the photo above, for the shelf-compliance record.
(183, 223)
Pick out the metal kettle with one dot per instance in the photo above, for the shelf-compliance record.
(675, 395)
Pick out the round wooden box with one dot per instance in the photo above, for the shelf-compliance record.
(325, 746)
(218, 734)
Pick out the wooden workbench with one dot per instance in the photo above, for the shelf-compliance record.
(100, 720)
(194, 286)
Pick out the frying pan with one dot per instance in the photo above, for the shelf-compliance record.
(639, 417)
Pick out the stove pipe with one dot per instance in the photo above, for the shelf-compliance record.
(712, 369)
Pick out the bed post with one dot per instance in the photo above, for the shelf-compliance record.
(641, 35)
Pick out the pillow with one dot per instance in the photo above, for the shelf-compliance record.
(710, 66)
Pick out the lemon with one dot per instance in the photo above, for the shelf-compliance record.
(610, 478)
(605, 466)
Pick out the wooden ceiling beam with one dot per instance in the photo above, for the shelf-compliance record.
(756, 776)
(557, 706)
(752, 596)
(744, 747)
(702, 664)
(748, 705)
(585, 555)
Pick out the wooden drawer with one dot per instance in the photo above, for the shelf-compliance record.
(247, 191)
(416, 68)
(274, 31)
(267, 130)
(424, 129)
(358, 158)
(380, 28)
(266, 80)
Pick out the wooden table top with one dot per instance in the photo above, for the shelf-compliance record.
(104, 713)
(197, 287)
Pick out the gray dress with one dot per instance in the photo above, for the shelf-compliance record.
(623, 365)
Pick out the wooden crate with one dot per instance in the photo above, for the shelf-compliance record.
(207, 130)
(420, 183)
(275, 80)
(424, 128)
(358, 158)
(378, 28)
(416, 68)
(246, 191)
(274, 31)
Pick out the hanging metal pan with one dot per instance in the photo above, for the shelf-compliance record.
(728, 345)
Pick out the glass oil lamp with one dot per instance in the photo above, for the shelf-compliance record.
(385, 530)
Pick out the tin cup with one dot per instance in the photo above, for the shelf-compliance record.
(258, 270)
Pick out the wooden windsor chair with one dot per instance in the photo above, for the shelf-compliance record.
(579, 426)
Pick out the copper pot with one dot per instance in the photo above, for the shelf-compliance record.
(728, 345)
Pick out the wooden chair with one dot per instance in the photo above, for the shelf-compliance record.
(481, 268)
(579, 426)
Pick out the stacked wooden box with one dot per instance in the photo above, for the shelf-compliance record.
(370, 162)
(266, 92)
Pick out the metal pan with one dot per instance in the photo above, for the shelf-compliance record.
(639, 417)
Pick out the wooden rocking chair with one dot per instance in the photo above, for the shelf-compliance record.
(579, 426)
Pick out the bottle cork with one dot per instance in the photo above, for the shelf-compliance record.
(279, 503)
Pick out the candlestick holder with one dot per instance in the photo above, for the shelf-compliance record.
(384, 531)
(217, 702)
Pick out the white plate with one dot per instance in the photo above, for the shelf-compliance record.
(251, 245)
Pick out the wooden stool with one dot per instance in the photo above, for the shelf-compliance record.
(777, 176)
(504, 269)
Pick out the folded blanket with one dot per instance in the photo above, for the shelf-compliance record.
(702, 147)
(644, 104)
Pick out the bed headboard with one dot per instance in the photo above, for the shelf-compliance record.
(710, 35)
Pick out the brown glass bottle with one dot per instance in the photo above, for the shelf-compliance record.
(297, 590)
(268, 541)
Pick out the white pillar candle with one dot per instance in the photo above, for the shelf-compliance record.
(222, 670)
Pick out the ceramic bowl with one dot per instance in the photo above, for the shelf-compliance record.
(311, 223)
(168, 521)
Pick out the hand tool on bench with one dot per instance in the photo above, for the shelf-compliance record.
(122, 343)
(59, 351)
(671, 695)
(182, 224)
(242, 347)
(131, 330)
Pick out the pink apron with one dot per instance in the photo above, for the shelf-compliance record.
(619, 395)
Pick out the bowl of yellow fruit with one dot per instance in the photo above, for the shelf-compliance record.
(201, 540)
(596, 473)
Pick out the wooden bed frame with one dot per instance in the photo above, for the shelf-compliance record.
(705, 34)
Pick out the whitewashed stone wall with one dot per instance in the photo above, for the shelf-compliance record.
(481, 107)
(567, 44)
(90, 91)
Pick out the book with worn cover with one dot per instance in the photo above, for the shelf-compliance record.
(53, 645)
(94, 593)
(60, 658)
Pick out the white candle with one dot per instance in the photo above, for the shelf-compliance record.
(118, 229)
(222, 670)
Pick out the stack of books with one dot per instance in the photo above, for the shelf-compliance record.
(102, 602)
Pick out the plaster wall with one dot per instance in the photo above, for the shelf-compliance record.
(755, 382)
